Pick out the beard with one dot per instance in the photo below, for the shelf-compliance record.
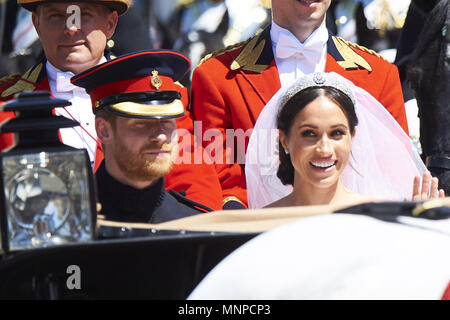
(138, 166)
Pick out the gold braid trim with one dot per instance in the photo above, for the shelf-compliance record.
(30, 76)
(231, 198)
(362, 48)
(9, 78)
(220, 51)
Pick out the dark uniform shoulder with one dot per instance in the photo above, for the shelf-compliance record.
(180, 197)
(175, 206)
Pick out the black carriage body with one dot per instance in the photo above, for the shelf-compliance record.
(155, 267)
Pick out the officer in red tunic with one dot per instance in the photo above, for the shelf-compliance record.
(70, 51)
(230, 87)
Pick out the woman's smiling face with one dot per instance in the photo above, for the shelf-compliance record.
(319, 143)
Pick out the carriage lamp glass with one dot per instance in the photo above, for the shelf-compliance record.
(46, 199)
(46, 188)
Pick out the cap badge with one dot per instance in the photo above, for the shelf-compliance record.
(156, 80)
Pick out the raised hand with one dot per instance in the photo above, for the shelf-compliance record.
(420, 190)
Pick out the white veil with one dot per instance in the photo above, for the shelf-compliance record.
(382, 163)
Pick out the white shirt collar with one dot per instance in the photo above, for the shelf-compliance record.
(52, 71)
(59, 81)
(297, 59)
(320, 34)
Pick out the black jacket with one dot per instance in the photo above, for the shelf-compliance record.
(124, 203)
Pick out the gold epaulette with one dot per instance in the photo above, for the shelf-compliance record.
(30, 76)
(362, 48)
(9, 79)
(220, 51)
(351, 59)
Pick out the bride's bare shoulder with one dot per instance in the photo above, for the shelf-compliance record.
(283, 202)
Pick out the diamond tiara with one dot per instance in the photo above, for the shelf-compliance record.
(317, 80)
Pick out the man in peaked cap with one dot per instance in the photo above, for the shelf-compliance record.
(232, 85)
(69, 51)
(121, 6)
(136, 101)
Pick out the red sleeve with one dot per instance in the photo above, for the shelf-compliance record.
(6, 139)
(214, 116)
(197, 178)
(392, 98)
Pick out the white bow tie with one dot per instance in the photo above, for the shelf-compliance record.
(287, 46)
(63, 82)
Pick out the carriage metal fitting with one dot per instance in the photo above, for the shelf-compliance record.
(429, 205)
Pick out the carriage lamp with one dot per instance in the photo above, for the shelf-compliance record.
(47, 193)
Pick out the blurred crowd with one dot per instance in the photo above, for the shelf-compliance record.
(198, 27)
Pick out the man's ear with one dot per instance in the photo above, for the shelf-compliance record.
(104, 130)
(35, 19)
(113, 18)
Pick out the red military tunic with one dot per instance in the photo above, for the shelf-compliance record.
(229, 91)
(199, 181)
